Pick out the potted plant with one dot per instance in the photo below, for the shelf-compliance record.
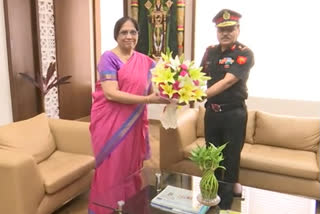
(44, 84)
(208, 158)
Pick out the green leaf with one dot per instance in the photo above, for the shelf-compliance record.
(43, 83)
(208, 157)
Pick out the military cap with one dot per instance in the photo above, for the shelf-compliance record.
(226, 18)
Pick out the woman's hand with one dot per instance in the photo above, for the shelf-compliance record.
(156, 99)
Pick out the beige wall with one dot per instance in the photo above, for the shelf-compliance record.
(5, 100)
(288, 107)
(275, 106)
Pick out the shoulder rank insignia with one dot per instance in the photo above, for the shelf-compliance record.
(242, 48)
(211, 46)
(241, 60)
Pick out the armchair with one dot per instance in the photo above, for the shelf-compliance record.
(44, 163)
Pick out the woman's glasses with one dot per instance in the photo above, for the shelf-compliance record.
(126, 32)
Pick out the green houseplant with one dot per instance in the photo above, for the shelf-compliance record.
(208, 158)
(45, 83)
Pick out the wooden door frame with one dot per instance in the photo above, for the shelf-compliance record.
(23, 56)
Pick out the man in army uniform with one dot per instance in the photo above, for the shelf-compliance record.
(228, 64)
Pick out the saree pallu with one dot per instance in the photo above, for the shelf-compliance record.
(119, 134)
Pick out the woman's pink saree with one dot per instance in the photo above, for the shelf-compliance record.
(119, 132)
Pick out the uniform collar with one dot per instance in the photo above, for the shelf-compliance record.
(231, 48)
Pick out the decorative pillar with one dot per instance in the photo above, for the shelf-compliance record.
(180, 25)
(48, 52)
(134, 9)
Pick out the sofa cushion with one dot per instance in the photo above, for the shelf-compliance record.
(200, 122)
(31, 136)
(287, 131)
(62, 169)
(187, 149)
(302, 164)
(187, 167)
(318, 159)
(249, 130)
(250, 126)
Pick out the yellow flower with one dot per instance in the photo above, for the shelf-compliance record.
(199, 94)
(163, 75)
(166, 57)
(185, 96)
(196, 74)
(178, 78)
(167, 89)
(188, 86)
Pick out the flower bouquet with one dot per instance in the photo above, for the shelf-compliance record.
(180, 81)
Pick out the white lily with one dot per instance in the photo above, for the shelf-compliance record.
(175, 63)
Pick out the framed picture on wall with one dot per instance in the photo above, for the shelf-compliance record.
(162, 25)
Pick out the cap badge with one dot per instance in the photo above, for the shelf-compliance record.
(226, 15)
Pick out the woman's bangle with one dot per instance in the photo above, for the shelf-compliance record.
(148, 100)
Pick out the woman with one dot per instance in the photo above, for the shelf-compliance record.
(119, 124)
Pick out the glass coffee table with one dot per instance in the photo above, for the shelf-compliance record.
(252, 201)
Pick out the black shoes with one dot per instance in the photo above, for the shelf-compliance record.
(237, 190)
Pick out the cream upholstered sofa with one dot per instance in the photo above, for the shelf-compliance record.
(280, 153)
(44, 163)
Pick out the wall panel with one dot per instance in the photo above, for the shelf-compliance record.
(75, 55)
(21, 34)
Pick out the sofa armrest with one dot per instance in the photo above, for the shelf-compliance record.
(71, 136)
(172, 141)
(318, 160)
(21, 185)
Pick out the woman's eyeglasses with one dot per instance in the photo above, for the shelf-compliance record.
(126, 32)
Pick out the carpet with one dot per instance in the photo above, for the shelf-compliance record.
(154, 139)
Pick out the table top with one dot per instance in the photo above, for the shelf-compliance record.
(253, 200)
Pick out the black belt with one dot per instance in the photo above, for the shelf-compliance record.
(224, 107)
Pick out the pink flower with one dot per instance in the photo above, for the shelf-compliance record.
(183, 67)
(160, 88)
(183, 73)
(163, 95)
(175, 96)
(196, 82)
(175, 86)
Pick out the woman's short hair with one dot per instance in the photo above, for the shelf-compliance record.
(119, 24)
